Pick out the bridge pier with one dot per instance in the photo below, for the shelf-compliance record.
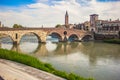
(42, 42)
(15, 43)
(42, 39)
(65, 39)
(16, 48)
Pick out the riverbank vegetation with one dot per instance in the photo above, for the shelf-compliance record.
(115, 41)
(34, 62)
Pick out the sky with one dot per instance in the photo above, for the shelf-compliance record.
(48, 13)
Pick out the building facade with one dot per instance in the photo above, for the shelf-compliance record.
(79, 26)
(87, 25)
(83, 26)
(108, 26)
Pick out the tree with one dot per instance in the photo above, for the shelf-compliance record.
(58, 26)
(17, 26)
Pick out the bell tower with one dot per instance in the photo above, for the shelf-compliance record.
(66, 20)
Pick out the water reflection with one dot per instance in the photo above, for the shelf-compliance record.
(51, 47)
(45, 49)
(97, 51)
(89, 59)
(92, 49)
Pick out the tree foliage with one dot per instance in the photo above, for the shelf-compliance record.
(58, 26)
(17, 26)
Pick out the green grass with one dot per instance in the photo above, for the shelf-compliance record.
(34, 62)
(115, 41)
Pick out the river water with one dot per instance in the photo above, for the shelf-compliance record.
(98, 60)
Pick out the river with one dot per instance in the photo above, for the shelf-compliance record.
(98, 60)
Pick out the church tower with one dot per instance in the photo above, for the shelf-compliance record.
(66, 20)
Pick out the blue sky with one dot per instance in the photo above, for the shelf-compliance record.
(24, 2)
(15, 2)
(108, 0)
(51, 12)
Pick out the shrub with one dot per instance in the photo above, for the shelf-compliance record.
(116, 41)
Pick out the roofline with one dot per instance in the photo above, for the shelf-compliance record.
(94, 15)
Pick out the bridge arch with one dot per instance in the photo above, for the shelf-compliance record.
(56, 35)
(29, 33)
(8, 35)
(73, 37)
(86, 38)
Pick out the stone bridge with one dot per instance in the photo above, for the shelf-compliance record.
(63, 34)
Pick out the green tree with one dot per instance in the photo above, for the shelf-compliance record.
(58, 26)
(17, 26)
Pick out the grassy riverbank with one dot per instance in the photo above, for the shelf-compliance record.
(34, 62)
(115, 41)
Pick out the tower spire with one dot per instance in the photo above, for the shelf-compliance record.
(66, 19)
(66, 13)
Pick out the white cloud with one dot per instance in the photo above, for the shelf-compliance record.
(42, 0)
(38, 14)
(38, 5)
